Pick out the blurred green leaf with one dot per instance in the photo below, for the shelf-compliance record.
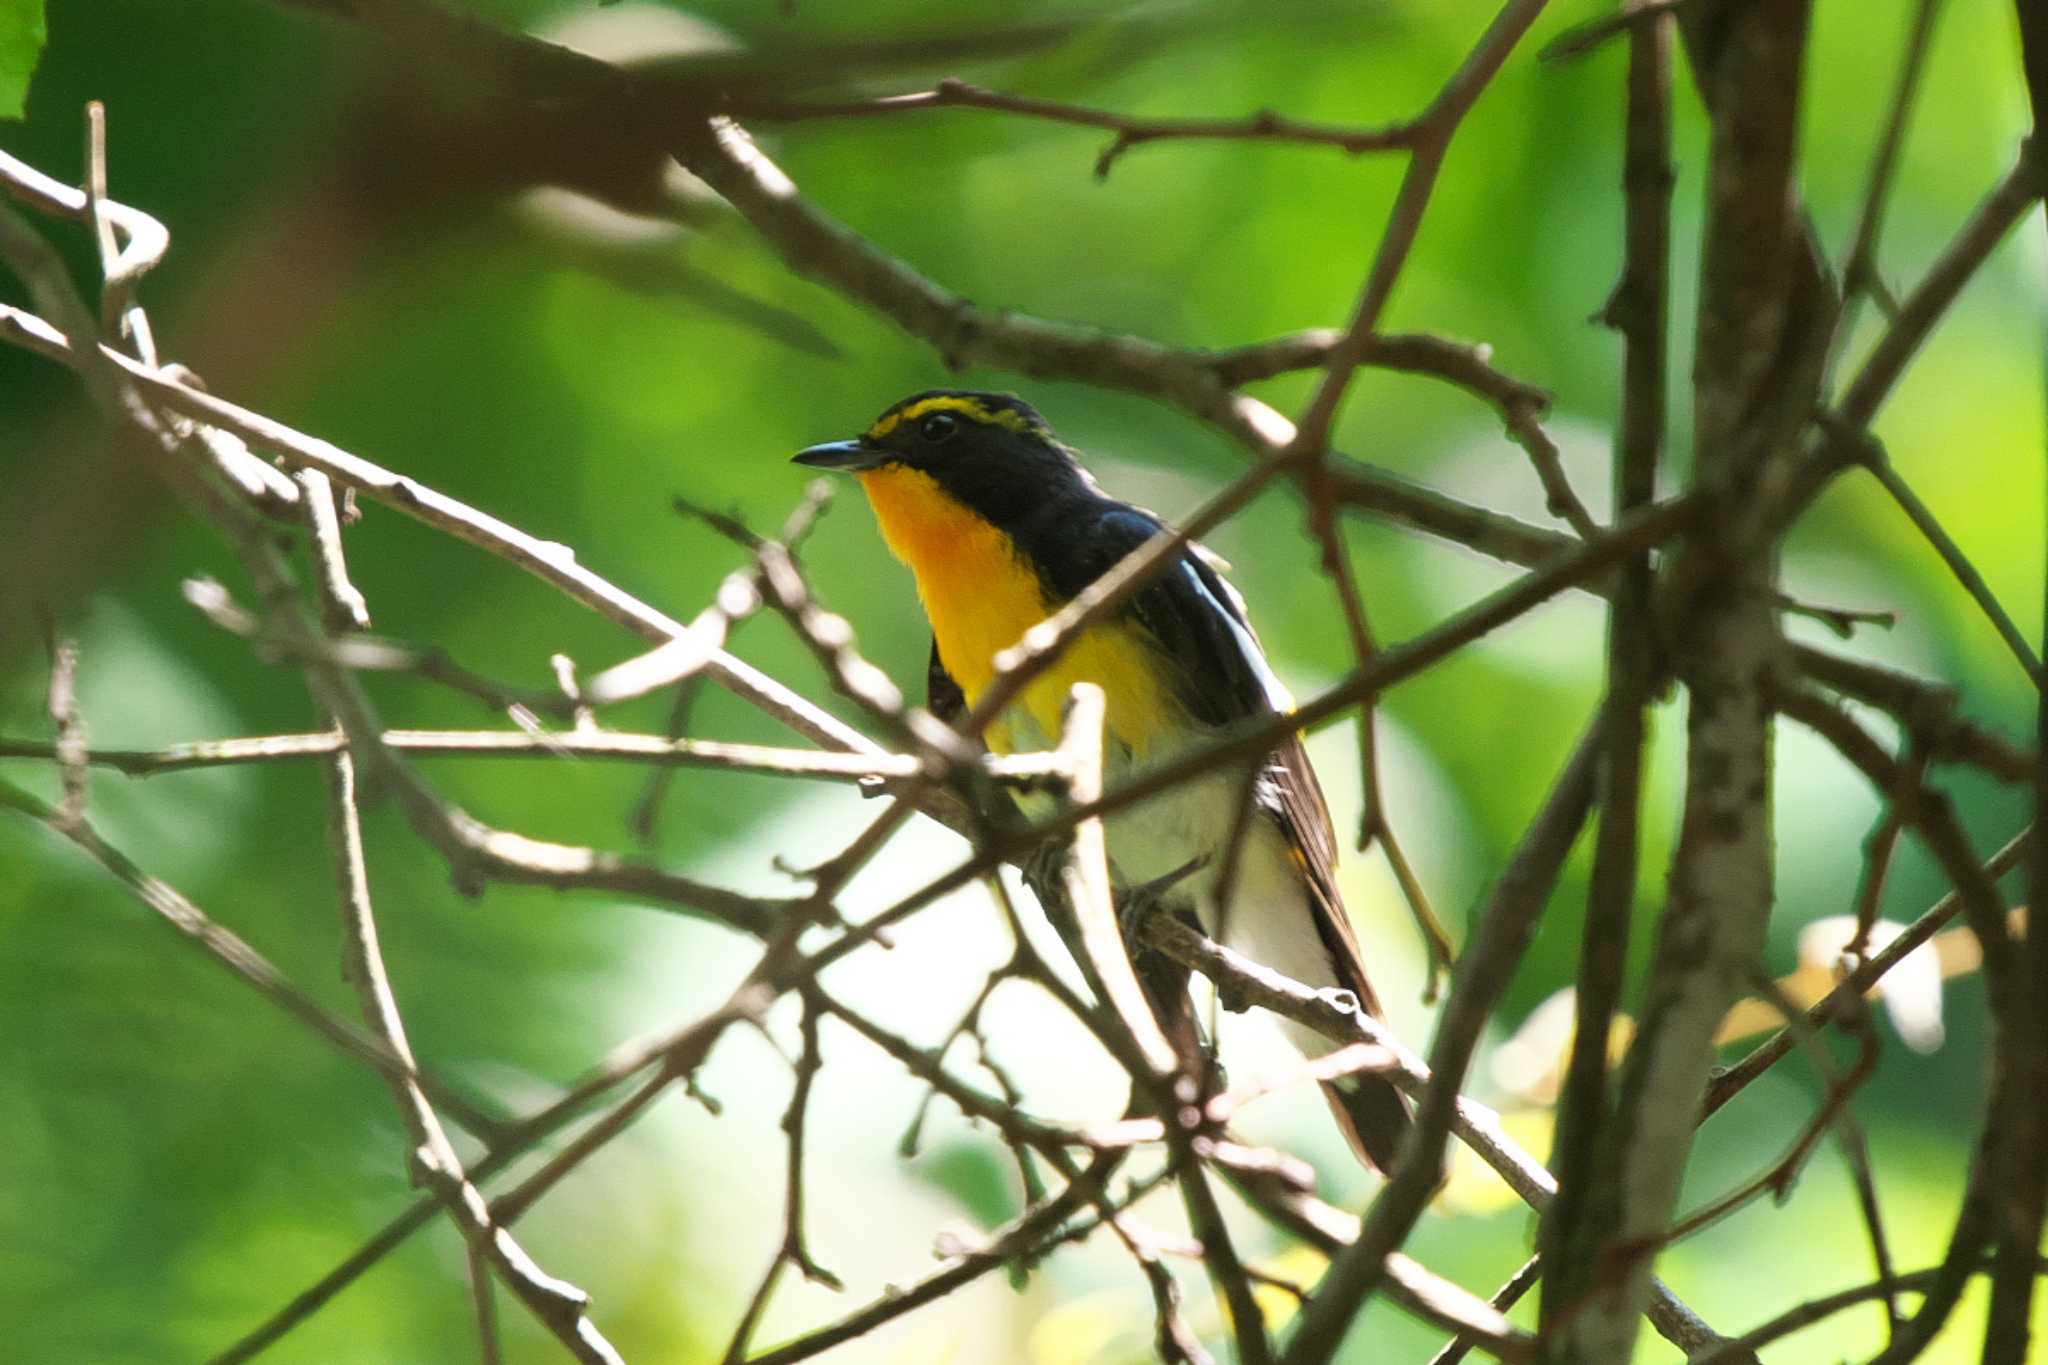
(977, 1173)
(21, 43)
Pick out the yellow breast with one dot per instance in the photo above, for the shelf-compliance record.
(981, 597)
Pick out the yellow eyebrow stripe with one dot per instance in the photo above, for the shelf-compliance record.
(971, 408)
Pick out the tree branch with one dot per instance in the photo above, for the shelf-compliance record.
(1638, 309)
(952, 93)
(1753, 378)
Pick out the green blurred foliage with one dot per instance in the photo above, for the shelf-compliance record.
(21, 43)
(176, 1159)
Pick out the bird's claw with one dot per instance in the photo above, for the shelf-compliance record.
(1135, 904)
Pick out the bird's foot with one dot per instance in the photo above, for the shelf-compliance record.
(1136, 904)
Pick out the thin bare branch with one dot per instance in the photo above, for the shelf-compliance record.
(1504, 1298)
(233, 952)
(678, 1052)
(1019, 770)
(550, 561)
(1104, 955)
(1817, 1310)
(1848, 1133)
(1927, 710)
(340, 599)
(1860, 980)
(558, 1305)
(1924, 306)
(1874, 458)
(120, 316)
(1029, 1235)
(830, 638)
(1778, 1178)
(71, 749)
(1632, 19)
(483, 1297)
(1374, 824)
(1437, 125)
(793, 1249)
(1860, 272)
(951, 93)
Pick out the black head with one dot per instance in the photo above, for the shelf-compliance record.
(991, 451)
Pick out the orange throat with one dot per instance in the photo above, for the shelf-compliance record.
(981, 596)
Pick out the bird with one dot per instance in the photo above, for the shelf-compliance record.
(1000, 525)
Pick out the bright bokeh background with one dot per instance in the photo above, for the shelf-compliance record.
(177, 1159)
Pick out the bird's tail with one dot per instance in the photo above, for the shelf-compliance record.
(1373, 1115)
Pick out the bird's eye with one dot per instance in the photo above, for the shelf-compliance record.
(938, 426)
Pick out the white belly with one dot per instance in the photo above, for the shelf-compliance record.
(1270, 916)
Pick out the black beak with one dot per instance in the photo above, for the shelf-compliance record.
(851, 456)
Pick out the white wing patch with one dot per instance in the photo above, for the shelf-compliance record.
(1234, 613)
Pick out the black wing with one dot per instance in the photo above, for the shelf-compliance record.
(942, 696)
(1220, 674)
